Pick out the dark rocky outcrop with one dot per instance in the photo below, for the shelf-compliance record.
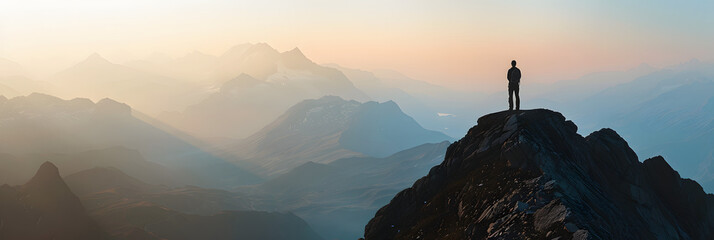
(529, 175)
(44, 208)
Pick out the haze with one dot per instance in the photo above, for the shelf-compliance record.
(299, 120)
(465, 45)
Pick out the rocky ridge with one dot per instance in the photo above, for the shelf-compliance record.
(529, 175)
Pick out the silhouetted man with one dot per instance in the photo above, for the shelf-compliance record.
(514, 80)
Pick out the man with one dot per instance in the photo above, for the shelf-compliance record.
(514, 80)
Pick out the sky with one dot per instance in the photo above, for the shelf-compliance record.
(456, 43)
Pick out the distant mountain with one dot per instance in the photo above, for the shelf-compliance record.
(569, 93)
(13, 86)
(677, 103)
(97, 78)
(45, 208)
(193, 67)
(45, 125)
(101, 188)
(338, 198)
(131, 209)
(528, 174)
(99, 179)
(256, 84)
(234, 225)
(435, 107)
(11, 68)
(16, 81)
(15, 169)
(330, 128)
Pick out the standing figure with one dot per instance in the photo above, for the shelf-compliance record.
(514, 80)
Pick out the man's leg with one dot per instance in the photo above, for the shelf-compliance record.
(518, 98)
(510, 98)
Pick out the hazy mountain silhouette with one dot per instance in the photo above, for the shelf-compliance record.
(44, 208)
(104, 187)
(435, 107)
(528, 174)
(675, 101)
(256, 84)
(129, 209)
(97, 78)
(330, 128)
(41, 124)
(338, 198)
(15, 169)
(569, 93)
(16, 81)
(11, 68)
(193, 67)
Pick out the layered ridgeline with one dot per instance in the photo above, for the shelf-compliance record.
(677, 102)
(80, 134)
(128, 208)
(330, 128)
(528, 174)
(257, 84)
(45, 208)
(97, 78)
(338, 198)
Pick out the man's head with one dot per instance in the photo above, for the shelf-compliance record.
(513, 63)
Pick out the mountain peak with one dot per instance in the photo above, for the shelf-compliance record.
(262, 48)
(47, 170)
(48, 182)
(41, 97)
(528, 174)
(243, 81)
(295, 51)
(108, 105)
(296, 59)
(45, 208)
(96, 58)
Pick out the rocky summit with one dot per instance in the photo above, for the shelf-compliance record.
(530, 175)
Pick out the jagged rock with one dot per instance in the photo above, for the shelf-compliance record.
(530, 175)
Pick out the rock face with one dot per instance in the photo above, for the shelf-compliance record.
(529, 175)
(44, 208)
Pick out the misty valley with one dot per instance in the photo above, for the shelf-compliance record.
(256, 143)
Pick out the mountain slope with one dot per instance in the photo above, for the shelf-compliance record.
(128, 208)
(97, 78)
(338, 198)
(40, 125)
(257, 84)
(44, 208)
(528, 174)
(676, 102)
(330, 128)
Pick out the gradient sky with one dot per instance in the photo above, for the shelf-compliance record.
(464, 44)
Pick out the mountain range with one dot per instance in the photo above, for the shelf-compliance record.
(338, 198)
(330, 128)
(128, 208)
(257, 84)
(40, 126)
(97, 78)
(667, 112)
